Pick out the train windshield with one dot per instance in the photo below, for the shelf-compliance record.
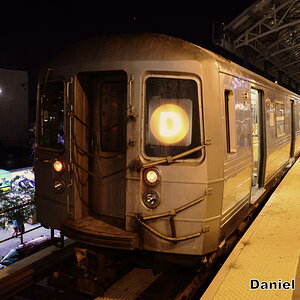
(51, 131)
(172, 123)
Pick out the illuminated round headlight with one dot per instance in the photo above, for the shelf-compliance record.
(59, 186)
(151, 199)
(58, 166)
(169, 124)
(152, 176)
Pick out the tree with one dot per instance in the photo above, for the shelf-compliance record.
(21, 192)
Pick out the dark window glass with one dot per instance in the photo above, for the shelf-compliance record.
(113, 116)
(172, 121)
(51, 133)
(230, 121)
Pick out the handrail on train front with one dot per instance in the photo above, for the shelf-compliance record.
(171, 215)
(171, 159)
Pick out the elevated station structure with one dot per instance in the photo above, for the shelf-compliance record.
(266, 36)
(265, 263)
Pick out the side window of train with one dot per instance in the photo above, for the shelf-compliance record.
(51, 123)
(297, 115)
(230, 121)
(279, 117)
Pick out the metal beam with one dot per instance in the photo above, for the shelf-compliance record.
(271, 30)
(248, 40)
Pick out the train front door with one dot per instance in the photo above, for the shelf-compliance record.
(258, 140)
(108, 145)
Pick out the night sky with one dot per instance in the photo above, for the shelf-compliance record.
(33, 31)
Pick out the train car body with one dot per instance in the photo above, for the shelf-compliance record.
(150, 142)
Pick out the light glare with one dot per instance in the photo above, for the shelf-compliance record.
(58, 166)
(151, 176)
(169, 123)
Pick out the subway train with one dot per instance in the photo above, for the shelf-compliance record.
(149, 142)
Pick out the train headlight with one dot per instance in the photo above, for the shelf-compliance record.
(151, 199)
(152, 176)
(59, 186)
(58, 166)
(169, 124)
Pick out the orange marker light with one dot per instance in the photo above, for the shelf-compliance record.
(58, 166)
(169, 124)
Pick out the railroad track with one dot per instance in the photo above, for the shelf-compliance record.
(21, 279)
(50, 275)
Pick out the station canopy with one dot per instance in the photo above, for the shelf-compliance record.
(266, 36)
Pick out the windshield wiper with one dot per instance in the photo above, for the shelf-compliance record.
(171, 159)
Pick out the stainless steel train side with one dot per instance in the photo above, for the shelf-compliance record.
(129, 171)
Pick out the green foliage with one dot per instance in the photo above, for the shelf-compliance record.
(17, 195)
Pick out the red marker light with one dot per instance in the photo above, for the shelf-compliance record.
(58, 166)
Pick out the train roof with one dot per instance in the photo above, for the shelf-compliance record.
(143, 47)
(126, 47)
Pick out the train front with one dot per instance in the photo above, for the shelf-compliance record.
(120, 159)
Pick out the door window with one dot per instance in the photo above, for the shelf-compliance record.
(113, 117)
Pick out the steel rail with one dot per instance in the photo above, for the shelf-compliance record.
(2, 211)
(20, 234)
(17, 281)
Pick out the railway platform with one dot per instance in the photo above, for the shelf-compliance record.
(265, 262)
